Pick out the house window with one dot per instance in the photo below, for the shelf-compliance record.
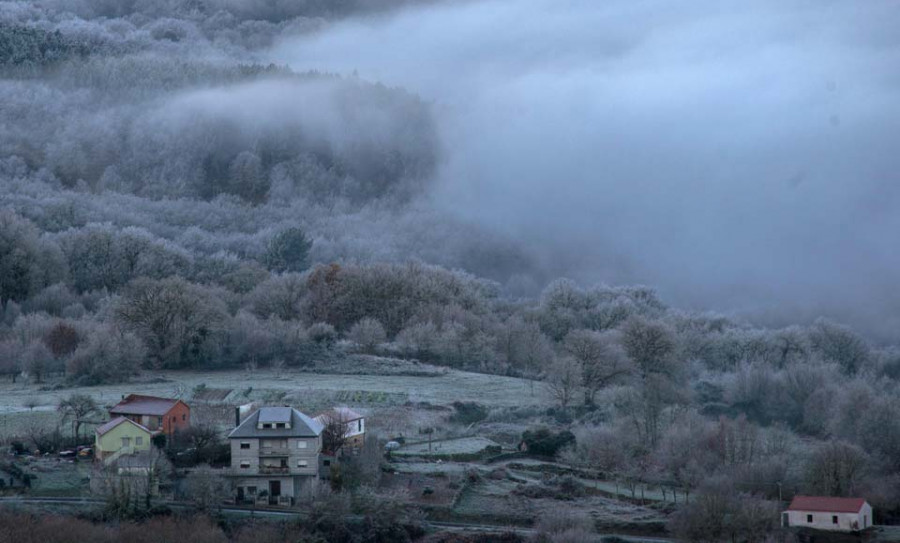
(139, 440)
(245, 464)
(301, 444)
(159, 421)
(809, 518)
(279, 425)
(126, 441)
(302, 463)
(245, 444)
(251, 490)
(327, 462)
(267, 425)
(183, 418)
(834, 519)
(359, 425)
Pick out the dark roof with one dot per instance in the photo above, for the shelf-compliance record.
(301, 425)
(826, 504)
(135, 404)
(275, 414)
(102, 429)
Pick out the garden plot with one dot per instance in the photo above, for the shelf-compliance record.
(56, 477)
(502, 501)
(463, 448)
(423, 490)
(494, 501)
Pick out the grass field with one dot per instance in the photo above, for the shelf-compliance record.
(463, 445)
(303, 389)
(59, 478)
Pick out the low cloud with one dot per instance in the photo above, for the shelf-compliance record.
(736, 156)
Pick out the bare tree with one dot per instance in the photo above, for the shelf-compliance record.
(601, 358)
(650, 345)
(836, 469)
(37, 361)
(564, 378)
(31, 402)
(334, 435)
(77, 408)
(9, 359)
(207, 488)
(524, 346)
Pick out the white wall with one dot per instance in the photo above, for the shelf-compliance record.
(825, 521)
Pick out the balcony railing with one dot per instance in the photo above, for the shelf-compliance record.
(269, 470)
(274, 451)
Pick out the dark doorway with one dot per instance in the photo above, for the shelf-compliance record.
(785, 520)
(274, 492)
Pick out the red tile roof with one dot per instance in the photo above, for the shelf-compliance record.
(135, 404)
(102, 429)
(826, 504)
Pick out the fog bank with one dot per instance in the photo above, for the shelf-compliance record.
(738, 157)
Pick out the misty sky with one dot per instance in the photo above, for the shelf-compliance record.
(734, 155)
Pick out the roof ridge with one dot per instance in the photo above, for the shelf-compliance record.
(113, 423)
(837, 504)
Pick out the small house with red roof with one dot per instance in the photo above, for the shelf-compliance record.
(827, 513)
(157, 414)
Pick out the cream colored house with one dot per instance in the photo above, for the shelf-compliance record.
(826, 513)
(120, 436)
(275, 456)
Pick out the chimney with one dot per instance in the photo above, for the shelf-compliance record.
(237, 416)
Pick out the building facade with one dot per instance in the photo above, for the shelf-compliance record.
(827, 513)
(275, 456)
(120, 436)
(167, 415)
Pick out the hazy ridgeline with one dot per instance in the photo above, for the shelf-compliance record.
(168, 201)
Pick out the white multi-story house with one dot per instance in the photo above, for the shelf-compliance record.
(275, 455)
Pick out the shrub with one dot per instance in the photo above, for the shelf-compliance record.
(546, 443)
(468, 413)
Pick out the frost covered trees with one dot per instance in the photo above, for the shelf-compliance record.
(28, 262)
(179, 322)
(368, 334)
(288, 251)
(600, 357)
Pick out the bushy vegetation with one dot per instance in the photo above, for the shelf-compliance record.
(380, 523)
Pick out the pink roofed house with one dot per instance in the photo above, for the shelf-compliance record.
(827, 513)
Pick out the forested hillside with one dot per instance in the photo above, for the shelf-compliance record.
(167, 201)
